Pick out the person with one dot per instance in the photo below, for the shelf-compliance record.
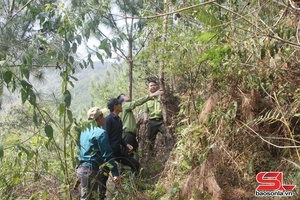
(113, 125)
(153, 116)
(128, 119)
(94, 152)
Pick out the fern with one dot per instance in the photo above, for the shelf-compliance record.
(270, 117)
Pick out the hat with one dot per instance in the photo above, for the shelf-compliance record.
(114, 101)
(94, 113)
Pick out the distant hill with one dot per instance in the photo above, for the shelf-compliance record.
(49, 89)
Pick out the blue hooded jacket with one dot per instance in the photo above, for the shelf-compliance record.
(95, 150)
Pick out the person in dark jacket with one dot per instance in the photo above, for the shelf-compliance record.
(95, 158)
(113, 126)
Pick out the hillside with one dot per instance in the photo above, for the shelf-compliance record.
(231, 79)
(49, 88)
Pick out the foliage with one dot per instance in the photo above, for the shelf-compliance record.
(117, 28)
(243, 52)
(37, 35)
(242, 63)
(114, 83)
(111, 85)
(28, 155)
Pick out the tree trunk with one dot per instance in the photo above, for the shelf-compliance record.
(2, 76)
(161, 69)
(130, 64)
(1, 89)
(130, 60)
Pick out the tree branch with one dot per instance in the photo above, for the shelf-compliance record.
(18, 12)
(163, 14)
(241, 16)
(263, 139)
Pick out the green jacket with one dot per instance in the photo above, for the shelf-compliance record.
(127, 116)
(153, 108)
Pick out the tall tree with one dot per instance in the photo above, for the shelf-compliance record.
(121, 26)
(162, 64)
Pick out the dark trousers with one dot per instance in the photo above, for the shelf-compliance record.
(123, 158)
(155, 126)
(130, 138)
(93, 182)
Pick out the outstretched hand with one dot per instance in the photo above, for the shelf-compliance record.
(130, 148)
(158, 92)
(117, 180)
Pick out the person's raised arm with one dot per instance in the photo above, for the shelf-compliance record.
(154, 94)
(133, 104)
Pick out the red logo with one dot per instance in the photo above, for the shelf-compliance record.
(272, 181)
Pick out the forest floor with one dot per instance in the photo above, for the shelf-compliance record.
(142, 186)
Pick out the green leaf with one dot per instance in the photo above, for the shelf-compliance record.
(28, 59)
(61, 109)
(16, 179)
(99, 56)
(34, 12)
(70, 35)
(73, 77)
(78, 39)
(42, 20)
(1, 151)
(104, 45)
(85, 64)
(205, 37)
(25, 72)
(49, 131)
(71, 83)
(48, 7)
(7, 76)
(24, 95)
(67, 99)
(33, 197)
(74, 47)
(66, 46)
(70, 116)
(114, 44)
(86, 32)
(26, 85)
(44, 195)
(32, 97)
(108, 52)
(24, 60)
(34, 118)
(71, 59)
(25, 150)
